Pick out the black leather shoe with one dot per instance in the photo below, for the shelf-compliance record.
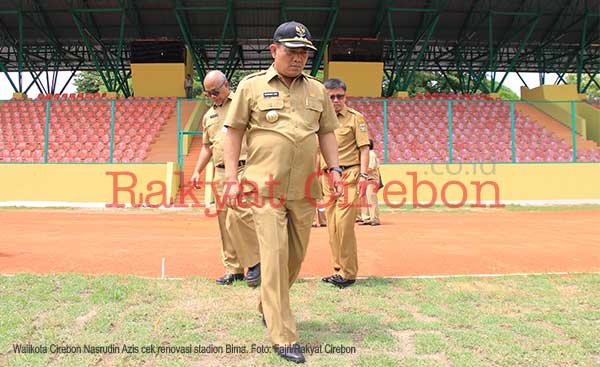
(327, 279)
(375, 223)
(341, 282)
(291, 353)
(227, 279)
(253, 276)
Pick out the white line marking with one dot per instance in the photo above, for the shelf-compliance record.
(363, 278)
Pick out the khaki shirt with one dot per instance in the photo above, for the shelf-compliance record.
(351, 135)
(214, 131)
(284, 147)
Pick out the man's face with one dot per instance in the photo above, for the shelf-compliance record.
(338, 98)
(289, 62)
(217, 90)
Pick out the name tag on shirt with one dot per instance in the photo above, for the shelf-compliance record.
(270, 94)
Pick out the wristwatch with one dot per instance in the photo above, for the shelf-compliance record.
(336, 169)
(364, 175)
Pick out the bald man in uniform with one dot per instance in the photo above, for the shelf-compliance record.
(353, 149)
(283, 108)
(239, 245)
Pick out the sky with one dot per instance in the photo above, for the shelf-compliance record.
(512, 81)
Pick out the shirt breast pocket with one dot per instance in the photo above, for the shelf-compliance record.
(210, 129)
(344, 131)
(344, 135)
(269, 110)
(314, 109)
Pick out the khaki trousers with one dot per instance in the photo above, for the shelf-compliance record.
(370, 213)
(239, 244)
(341, 216)
(283, 231)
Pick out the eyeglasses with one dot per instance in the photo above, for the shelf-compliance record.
(215, 92)
(337, 96)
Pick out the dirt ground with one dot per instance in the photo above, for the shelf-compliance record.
(406, 244)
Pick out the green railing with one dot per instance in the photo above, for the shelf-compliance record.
(559, 127)
(405, 131)
(81, 131)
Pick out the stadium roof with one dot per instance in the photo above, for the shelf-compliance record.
(471, 37)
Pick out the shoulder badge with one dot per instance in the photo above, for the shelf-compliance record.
(262, 72)
(311, 77)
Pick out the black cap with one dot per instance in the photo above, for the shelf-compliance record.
(293, 35)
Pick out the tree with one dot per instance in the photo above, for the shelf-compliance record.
(235, 79)
(435, 82)
(91, 82)
(592, 91)
(88, 82)
(504, 92)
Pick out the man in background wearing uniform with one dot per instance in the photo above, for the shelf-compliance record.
(353, 150)
(370, 212)
(239, 245)
(283, 108)
(188, 85)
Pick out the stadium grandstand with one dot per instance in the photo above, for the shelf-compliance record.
(142, 51)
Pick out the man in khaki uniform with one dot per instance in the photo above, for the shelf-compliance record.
(283, 108)
(239, 245)
(353, 149)
(370, 212)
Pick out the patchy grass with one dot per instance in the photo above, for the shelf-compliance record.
(507, 321)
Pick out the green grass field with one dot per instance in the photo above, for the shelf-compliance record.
(505, 321)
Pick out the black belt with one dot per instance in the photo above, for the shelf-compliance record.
(348, 167)
(240, 164)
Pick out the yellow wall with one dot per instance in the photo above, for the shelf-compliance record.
(194, 123)
(560, 92)
(90, 183)
(515, 182)
(592, 118)
(363, 79)
(158, 80)
(566, 92)
(562, 113)
(87, 183)
(559, 111)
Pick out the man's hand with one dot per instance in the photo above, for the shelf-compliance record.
(195, 180)
(232, 191)
(338, 184)
(362, 186)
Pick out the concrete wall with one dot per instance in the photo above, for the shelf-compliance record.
(592, 119)
(559, 111)
(489, 183)
(362, 78)
(88, 183)
(158, 80)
